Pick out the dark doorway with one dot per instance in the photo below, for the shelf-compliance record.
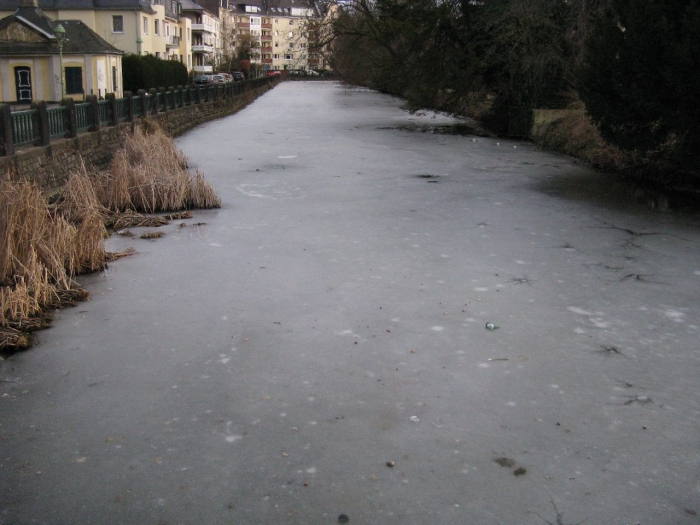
(23, 84)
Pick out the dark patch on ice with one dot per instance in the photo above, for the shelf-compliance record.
(505, 462)
(462, 129)
(610, 350)
(428, 177)
(521, 280)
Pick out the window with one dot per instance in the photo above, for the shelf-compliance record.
(74, 80)
(145, 25)
(157, 54)
(117, 24)
(291, 22)
(115, 86)
(167, 29)
(276, 56)
(157, 27)
(288, 56)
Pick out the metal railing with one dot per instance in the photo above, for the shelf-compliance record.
(41, 124)
(24, 127)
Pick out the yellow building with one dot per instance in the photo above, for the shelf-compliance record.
(282, 29)
(43, 59)
(133, 26)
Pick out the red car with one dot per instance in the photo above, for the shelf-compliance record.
(274, 73)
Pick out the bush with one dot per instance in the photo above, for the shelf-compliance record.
(639, 80)
(146, 72)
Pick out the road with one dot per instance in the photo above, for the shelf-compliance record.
(316, 350)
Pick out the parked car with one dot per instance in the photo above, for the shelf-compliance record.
(238, 75)
(219, 79)
(204, 80)
(275, 73)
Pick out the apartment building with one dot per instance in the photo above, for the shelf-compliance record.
(283, 29)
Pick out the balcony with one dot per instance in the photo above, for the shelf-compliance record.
(243, 25)
(266, 49)
(266, 38)
(203, 69)
(202, 28)
(172, 41)
(202, 48)
(267, 26)
(267, 61)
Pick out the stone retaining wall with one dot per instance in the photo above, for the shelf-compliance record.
(50, 166)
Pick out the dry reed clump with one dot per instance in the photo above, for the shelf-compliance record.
(39, 254)
(42, 248)
(150, 175)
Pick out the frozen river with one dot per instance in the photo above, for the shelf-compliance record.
(316, 350)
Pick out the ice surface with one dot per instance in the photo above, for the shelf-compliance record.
(265, 366)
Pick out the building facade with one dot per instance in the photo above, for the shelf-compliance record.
(283, 29)
(40, 61)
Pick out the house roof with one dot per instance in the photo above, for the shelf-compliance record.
(80, 39)
(279, 8)
(48, 5)
(189, 5)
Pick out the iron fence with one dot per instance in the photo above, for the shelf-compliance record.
(25, 127)
(37, 125)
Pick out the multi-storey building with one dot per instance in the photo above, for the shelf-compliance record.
(152, 27)
(204, 27)
(283, 30)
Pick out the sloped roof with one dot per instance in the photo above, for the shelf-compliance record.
(276, 7)
(131, 5)
(189, 5)
(80, 39)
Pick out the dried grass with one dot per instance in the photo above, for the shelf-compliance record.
(42, 246)
(152, 235)
(131, 219)
(150, 175)
(114, 256)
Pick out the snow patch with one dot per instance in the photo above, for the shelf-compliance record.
(675, 315)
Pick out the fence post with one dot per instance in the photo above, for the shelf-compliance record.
(164, 100)
(129, 97)
(94, 113)
(70, 121)
(154, 94)
(42, 120)
(144, 102)
(182, 96)
(7, 144)
(114, 112)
